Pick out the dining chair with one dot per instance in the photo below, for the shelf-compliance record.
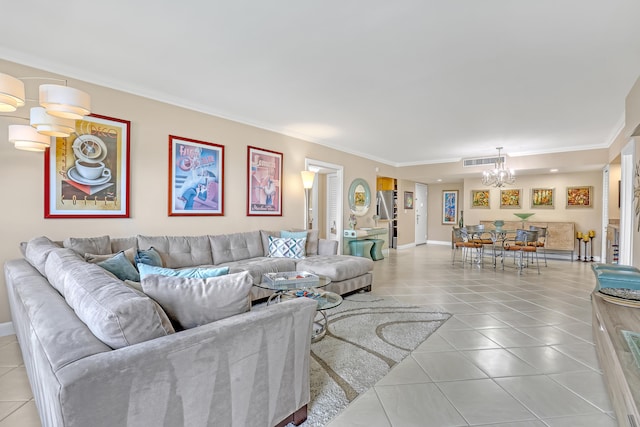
(520, 247)
(542, 240)
(463, 244)
(478, 234)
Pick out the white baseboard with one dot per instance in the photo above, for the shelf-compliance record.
(6, 329)
(407, 246)
(439, 242)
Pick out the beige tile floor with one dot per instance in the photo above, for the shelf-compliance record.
(518, 351)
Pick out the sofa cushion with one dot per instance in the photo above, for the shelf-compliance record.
(235, 247)
(336, 267)
(56, 268)
(620, 267)
(130, 253)
(123, 243)
(194, 302)
(261, 265)
(164, 319)
(148, 257)
(179, 251)
(115, 313)
(37, 252)
(92, 245)
(193, 273)
(618, 279)
(120, 266)
(280, 247)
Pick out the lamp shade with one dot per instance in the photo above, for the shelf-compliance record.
(47, 124)
(65, 101)
(25, 137)
(11, 93)
(307, 178)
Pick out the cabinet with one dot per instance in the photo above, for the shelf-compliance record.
(613, 244)
(621, 373)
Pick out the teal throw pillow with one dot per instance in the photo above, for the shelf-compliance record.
(287, 248)
(293, 234)
(120, 267)
(149, 257)
(190, 273)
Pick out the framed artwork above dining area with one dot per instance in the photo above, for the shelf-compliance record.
(510, 199)
(480, 199)
(543, 198)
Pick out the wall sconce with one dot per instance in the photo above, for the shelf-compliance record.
(307, 183)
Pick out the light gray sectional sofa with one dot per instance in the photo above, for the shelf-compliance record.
(100, 353)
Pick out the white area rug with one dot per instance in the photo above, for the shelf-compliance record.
(367, 336)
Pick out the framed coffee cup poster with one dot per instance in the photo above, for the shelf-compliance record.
(87, 173)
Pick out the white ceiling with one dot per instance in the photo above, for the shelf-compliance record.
(403, 82)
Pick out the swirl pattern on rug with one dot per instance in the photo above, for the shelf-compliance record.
(367, 336)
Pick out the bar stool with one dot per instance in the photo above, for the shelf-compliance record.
(361, 248)
(376, 249)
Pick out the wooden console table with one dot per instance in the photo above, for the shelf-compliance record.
(621, 373)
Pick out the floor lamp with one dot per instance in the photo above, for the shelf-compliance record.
(307, 182)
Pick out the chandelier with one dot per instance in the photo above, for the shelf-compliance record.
(499, 176)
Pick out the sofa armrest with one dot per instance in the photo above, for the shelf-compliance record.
(249, 369)
(327, 247)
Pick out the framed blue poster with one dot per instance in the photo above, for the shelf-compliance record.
(450, 207)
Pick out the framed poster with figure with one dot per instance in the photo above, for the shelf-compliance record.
(196, 177)
(264, 182)
(87, 173)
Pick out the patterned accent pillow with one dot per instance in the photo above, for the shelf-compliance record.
(287, 247)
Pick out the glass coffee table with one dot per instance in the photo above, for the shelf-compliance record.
(286, 289)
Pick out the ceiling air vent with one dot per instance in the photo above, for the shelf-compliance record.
(481, 161)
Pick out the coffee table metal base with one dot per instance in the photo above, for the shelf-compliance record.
(320, 327)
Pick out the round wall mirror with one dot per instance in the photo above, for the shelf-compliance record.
(359, 197)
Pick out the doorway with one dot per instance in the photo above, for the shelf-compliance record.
(420, 204)
(626, 204)
(326, 199)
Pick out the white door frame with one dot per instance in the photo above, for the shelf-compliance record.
(626, 203)
(319, 165)
(420, 209)
(605, 213)
(328, 225)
